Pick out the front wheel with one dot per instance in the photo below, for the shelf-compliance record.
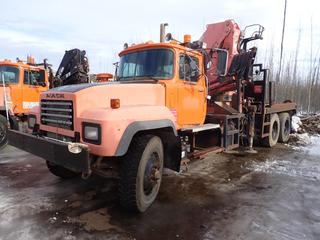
(141, 173)
(3, 132)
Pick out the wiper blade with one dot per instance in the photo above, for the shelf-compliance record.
(138, 78)
(148, 77)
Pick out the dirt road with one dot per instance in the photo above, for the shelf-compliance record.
(272, 195)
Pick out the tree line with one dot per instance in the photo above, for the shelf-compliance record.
(297, 80)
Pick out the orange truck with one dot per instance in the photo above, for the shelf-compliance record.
(171, 101)
(22, 82)
(20, 87)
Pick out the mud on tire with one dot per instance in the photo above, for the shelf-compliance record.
(3, 132)
(60, 171)
(141, 173)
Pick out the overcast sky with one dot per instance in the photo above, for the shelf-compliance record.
(46, 29)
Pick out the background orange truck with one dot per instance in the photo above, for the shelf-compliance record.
(20, 87)
(22, 82)
(172, 100)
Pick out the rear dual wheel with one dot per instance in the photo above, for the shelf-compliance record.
(285, 127)
(274, 132)
(279, 130)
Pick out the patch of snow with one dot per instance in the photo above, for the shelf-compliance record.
(24, 203)
(288, 169)
(314, 148)
(295, 123)
(302, 139)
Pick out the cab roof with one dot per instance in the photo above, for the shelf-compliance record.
(147, 45)
(19, 64)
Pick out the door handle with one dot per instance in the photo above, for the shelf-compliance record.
(200, 90)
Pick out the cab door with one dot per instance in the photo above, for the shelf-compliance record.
(191, 92)
(33, 84)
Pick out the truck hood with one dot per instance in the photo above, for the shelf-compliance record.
(98, 95)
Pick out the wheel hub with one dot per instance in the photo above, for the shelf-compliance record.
(274, 130)
(152, 174)
(155, 175)
(287, 128)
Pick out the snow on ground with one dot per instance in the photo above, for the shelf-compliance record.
(314, 148)
(296, 123)
(302, 166)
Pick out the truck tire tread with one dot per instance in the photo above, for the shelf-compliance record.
(284, 133)
(129, 173)
(269, 141)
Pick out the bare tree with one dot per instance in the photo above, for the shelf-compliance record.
(282, 39)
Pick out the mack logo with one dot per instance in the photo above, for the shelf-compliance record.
(55, 95)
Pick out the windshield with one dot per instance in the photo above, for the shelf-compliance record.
(9, 74)
(152, 63)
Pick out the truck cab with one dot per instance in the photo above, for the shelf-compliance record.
(20, 87)
(178, 68)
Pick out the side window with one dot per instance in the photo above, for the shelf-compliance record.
(33, 78)
(188, 68)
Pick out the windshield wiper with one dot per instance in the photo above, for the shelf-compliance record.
(148, 77)
(138, 78)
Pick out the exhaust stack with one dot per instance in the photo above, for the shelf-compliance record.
(163, 31)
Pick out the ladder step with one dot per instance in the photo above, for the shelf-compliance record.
(201, 128)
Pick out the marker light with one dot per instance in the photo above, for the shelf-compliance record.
(115, 103)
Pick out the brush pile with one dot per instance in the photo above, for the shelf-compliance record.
(310, 125)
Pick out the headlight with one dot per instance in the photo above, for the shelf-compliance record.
(92, 133)
(32, 120)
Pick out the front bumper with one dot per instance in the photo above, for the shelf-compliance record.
(51, 150)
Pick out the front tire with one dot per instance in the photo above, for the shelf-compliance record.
(60, 171)
(274, 132)
(3, 132)
(141, 173)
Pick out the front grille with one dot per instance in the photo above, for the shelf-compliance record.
(57, 113)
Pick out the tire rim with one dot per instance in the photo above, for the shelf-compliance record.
(2, 132)
(275, 130)
(152, 174)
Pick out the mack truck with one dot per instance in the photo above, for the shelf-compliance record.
(20, 86)
(171, 102)
(21, 83)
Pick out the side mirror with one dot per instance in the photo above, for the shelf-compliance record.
(222, 62)
(168, 37)
(115, 76)
(43, 84)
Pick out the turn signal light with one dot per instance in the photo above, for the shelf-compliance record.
(115, 103)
